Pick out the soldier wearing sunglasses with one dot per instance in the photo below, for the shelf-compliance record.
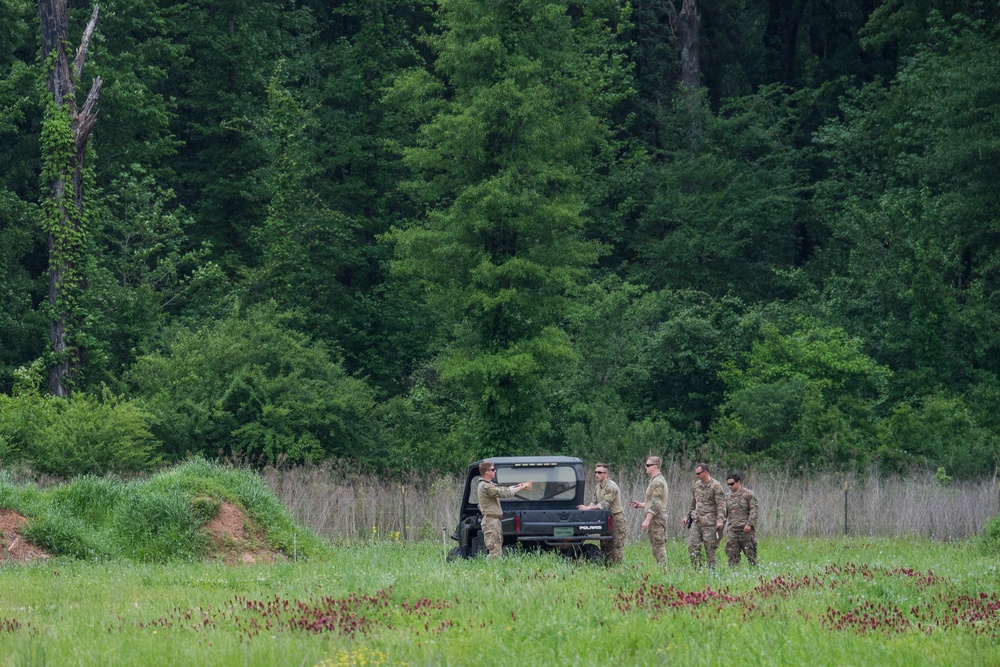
(742, 508)
(655, 504)
(607, 496)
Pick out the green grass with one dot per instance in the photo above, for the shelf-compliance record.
(395, 604)
(152, 520)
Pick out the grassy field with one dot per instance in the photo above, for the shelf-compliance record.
(813, 601)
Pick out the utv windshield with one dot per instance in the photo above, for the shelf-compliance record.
(549, 482)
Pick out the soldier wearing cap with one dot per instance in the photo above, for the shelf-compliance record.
(741, 505)
(707, 514)
(489, 506)
(607, 496)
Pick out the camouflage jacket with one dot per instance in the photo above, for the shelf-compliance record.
(708, 502)
(656, 496)
(742, 508)
(608, 497)
(489, 497)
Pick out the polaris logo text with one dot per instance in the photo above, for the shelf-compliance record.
(591, 527)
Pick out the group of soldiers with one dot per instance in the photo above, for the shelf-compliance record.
(709, 511)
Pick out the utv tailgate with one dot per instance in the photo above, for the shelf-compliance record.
(558, 525)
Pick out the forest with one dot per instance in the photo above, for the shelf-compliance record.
(410, 234)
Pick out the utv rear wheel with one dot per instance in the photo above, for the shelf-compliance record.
(591, 553)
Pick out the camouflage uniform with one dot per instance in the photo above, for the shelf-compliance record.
(708, 507)
(609, 497)
(656, 504)
(742, 508)
(489, 506)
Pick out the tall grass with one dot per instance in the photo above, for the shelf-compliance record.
(341, 505)
(151, 520)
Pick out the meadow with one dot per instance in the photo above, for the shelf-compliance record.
(816, 601)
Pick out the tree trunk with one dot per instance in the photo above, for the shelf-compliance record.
(781, 36)
(65, 136)
(687, 27)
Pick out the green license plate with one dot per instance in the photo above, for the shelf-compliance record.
(563, 531)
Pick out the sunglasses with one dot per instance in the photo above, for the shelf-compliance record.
(731, 483)
(650, 465)
(600, 472)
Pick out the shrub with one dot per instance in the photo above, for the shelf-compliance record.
(82, 434)
(991, 536)
(252, 388)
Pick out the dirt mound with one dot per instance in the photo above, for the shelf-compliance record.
(236, 540)
(13, 546)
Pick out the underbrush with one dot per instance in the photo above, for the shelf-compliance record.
(154, 520)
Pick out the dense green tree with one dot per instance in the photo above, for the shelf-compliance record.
(912, 202)
(250, 387)
(647, 369)
(733, 216)
(512, 121)
(808, 397)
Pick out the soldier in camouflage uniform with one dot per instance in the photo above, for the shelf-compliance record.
(741, 505)
(607, 496)
(707, 514)
(489, 506)
(655, 505)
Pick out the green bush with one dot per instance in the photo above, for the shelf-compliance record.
(79, 435)
(251, 388)
(991, 536)
(938, 430)
(809, 397)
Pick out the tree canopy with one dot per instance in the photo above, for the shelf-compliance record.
(413, 234)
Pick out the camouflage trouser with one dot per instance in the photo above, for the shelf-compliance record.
(739, 541)
(658, 539)
(698, 536)
(492, 537)
(613, 548)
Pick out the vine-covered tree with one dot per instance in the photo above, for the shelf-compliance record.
(65, 137)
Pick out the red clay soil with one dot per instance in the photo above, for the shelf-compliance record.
(13, 547)
(233, 543)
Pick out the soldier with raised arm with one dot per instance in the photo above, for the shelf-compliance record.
(489, 506)
(707, 515)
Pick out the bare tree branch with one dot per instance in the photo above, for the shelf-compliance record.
(81, 53)
(87, 117)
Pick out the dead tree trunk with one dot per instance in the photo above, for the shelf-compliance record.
(65, 136)
(687, 28)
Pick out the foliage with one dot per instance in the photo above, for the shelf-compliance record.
(487, 230)
(154, 520)
(937, 429)
(146, 272)
(251, 387)
(914, 273)
(991, 536)
(511, 122)
(83, 434)
(807, 397)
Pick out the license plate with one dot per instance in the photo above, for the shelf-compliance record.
(566, 531)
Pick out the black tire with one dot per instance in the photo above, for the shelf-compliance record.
(452, 555)
(591, 553)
